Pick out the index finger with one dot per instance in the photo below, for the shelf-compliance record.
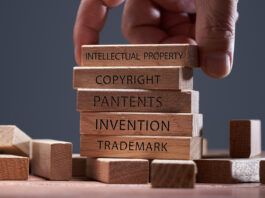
(90, 20)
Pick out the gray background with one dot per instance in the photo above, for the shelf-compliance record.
(36, 54)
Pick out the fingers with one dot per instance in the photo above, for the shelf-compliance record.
(156, 21)
(215, 32)
(91, 17)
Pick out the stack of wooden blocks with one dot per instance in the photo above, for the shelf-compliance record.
(137, 101)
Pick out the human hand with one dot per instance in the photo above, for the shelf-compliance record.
(208, 23)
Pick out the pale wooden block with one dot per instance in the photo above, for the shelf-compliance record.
(136, 100)
(149, 124)
(14, 141)
(118, 171)
(204, 146)
(173, 173)
(140, 54)
(262, 171)
(78, 165)
(52, 159)
(228, 171)
(14, 167)
(245, 138)
(141, 147)
(155, 77)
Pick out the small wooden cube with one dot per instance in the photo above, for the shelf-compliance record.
(78, 165)
(245, 138)
(52, 159)
(14, 167)
(173, 173)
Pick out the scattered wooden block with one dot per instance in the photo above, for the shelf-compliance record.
(78, 166)
(245, 138)
(204, 146)
(262, 171)
(228, 171)
(140, 54)
(52, 159)
(123, 100)
(173, 173)
(14, 167)
(149, 124)
(118, 171)
(14, 141)
(141, 147)
(155, 77)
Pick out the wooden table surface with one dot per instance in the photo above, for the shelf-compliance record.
(37, 187)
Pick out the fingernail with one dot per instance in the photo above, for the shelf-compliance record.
(218, 65)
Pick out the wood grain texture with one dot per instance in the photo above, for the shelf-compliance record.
(228, 171)
(245, 138)
(142, 147)
(136, 100)
(156, 77)
(14, 167)
(118, 171)
(149, 124)
(173, 173)
(78, 165)
(14, 141)
(204, 146)
(262, 171)
(52, 159)
(140, 54)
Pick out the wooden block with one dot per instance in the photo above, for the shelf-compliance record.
(14, 167)
(262, 171)
(136, 100)
(14, 141)
(52, 159)
(228, 171)
(140, 54)
(245, 138)
(156, 77)
(149, 124)
(204, 146)
(118, 171)
(141, 147)
(78, 165)
(173, 173)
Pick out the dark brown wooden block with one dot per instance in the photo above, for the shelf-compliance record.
(245, 138)
(78, 165)
(173, 173)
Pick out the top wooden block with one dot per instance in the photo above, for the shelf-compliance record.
(140, 55)
(14, 141)
(245, 138)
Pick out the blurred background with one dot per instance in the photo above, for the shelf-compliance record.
(36, 53)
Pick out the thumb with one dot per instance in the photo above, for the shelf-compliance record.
(215, 35)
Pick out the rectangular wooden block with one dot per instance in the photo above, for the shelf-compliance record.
(262, 171)
(245, 138)
(78, 165)
(118, 171)
(135, 100)
(52, 159)
(173, 173)
(228, 171)
(149, 124)
(141, 54)
(155, 77)
(14, 141)
(14, 167)
(141, 147)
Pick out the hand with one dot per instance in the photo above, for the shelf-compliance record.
(208, 23)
